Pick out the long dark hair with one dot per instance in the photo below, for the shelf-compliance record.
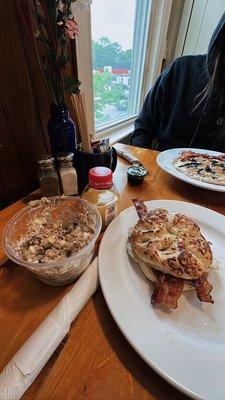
(214, 91)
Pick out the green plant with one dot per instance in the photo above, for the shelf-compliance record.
(110, 53)
(106, 92)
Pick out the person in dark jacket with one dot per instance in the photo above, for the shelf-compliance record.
(186, 106)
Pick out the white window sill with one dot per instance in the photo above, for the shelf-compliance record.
(117, 132)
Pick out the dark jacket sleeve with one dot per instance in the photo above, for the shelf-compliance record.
(147, 123)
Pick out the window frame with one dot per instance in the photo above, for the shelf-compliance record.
(155, 43)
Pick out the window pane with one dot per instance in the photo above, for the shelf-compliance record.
(112, 47)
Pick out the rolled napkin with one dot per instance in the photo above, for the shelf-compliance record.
(27, 363)
(128, 157)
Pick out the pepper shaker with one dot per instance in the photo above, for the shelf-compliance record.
(48, 177)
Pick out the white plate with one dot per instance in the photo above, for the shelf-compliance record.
(165, 161)
(185, 346)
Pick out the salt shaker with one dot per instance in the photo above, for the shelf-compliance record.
(48, 177)
(68, 174)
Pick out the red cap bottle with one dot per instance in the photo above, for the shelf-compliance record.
(100, 178)
(102, 193)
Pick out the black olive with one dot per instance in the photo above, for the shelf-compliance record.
(214, 162)
(192, 164)
(208, 169)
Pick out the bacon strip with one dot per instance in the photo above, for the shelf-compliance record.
(140, 207)
(167, 291)
(186, 155)
(203, 289)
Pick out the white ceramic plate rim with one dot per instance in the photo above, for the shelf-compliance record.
(165, 161)
(123, 302)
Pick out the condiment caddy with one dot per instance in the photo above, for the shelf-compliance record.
(63, 174)
(60, 177)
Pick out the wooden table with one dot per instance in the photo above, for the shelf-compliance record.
(94, 362)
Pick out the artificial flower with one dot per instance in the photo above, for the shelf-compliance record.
(52, 42)
(71, 28)
(60, 6)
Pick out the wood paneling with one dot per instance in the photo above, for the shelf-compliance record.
(24, 108)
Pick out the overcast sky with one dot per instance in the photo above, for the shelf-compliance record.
(114, 19)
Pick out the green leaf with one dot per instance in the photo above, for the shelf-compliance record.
(71, 85)
(51, 7)
(68, 2)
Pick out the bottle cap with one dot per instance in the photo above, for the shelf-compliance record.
(65, 158)
(100, 178)
(46, 161)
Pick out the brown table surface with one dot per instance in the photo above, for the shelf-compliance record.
(94, 362)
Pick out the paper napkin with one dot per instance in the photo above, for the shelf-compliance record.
(27, 363)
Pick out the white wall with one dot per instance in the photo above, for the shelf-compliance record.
(196, 28)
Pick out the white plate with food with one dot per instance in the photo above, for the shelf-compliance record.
(180, 333)
(202, 168)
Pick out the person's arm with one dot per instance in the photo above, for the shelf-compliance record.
(147, 123)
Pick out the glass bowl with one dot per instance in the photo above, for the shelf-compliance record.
(63, 209)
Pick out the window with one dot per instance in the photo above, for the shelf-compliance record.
(139, 27)
(119, 36)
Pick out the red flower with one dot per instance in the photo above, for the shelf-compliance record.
(71, 28)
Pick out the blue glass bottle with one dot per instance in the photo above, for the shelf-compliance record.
(61, 130)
